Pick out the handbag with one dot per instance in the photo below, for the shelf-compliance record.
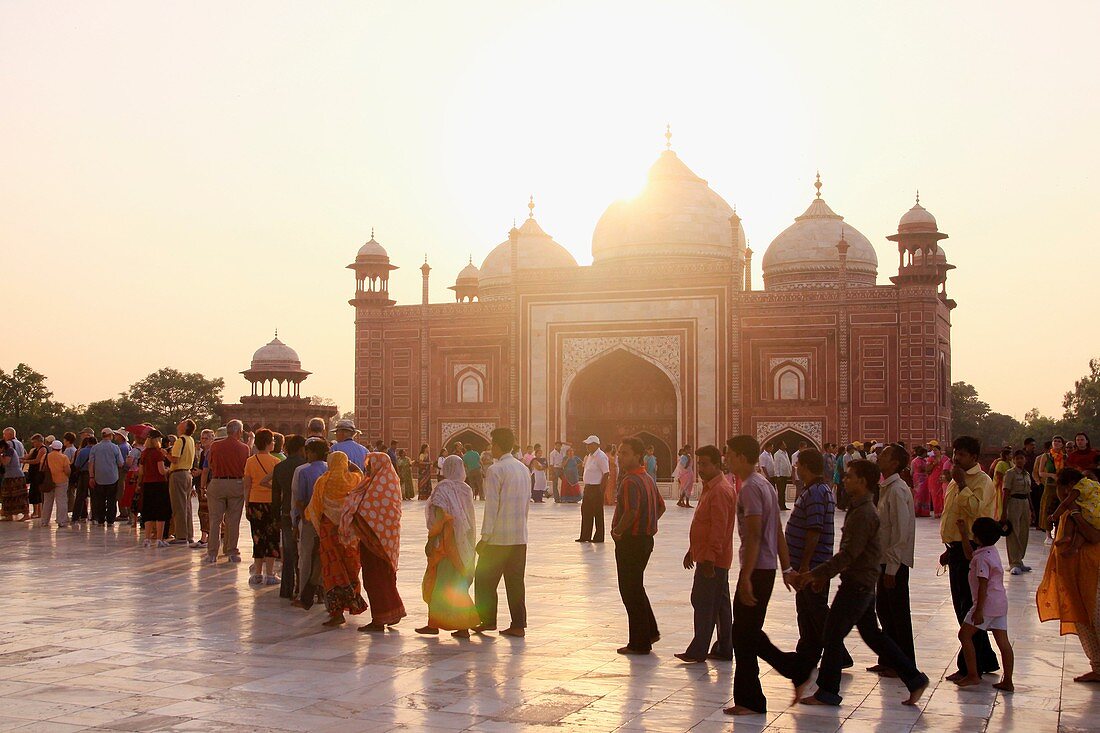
(45, 476)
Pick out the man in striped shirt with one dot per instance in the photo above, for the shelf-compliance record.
(638, 507)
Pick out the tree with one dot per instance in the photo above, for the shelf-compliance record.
(1082, 404)
(168, 396)
(22, 391)
(968, 412)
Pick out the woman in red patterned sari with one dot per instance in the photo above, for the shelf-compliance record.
(339, 561)
(371, 523)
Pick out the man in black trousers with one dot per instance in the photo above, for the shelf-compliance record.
(638, 507)
(597, 469)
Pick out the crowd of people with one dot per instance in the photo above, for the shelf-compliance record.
(327, 510)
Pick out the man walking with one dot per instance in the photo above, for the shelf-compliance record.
(710, 552)
(597, 469)
(897, 535)
(225, 492)
(633, 525)
(651, 462)
(502, 551)
(347, 444)
(782, 475)
(180, 484)
(763, 548)
(104, 462)
(858, 565)
(1017, 503)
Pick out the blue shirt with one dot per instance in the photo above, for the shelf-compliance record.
(813, 510)
(472, 459)
(82, 456)
(357, 454)
(303, 487)
(106, 460)
(14, 469)
(124, 449)
(651, 466)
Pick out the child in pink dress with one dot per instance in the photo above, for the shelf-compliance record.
(990, 609)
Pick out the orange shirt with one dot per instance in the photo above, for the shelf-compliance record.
(256, 468)
(711, 533)
(57, 462)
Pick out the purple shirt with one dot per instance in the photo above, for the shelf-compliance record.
(759, 498)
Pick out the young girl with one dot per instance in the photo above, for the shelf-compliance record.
(1080, 499)
(686, 476)
(990, 609)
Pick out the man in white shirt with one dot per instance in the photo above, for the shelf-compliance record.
(502, 551)
(897, 534)
(766, 465)
(597, 469)
(781, 476)
(557, 456)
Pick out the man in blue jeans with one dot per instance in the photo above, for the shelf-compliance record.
(858, 565)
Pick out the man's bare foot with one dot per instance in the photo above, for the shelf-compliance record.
(915, 695)
(1004, 686)
(811, 701)
(799, 691)
(431, 630)
(968, 681)
(461, 634)
(954, 676)
(740, 710)
(1088, 677)
(334, 621)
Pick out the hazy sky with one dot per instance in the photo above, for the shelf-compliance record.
(178, 179)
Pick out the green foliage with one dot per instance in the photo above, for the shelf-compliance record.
(168, 396)
(1082, 404)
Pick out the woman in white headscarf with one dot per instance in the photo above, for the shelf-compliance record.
(450, 551)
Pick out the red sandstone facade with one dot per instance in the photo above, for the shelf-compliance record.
(663, 335)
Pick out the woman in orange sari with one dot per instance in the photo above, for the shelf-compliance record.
(1070, 592)
(339, 560)
(451, 557)
(371, 523)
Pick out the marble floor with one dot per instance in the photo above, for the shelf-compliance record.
(99, 634)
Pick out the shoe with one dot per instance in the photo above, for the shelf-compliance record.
(1025, 568)
(234, 558)
(1016, 570)
(461, 634)
(162, 543)
(517, 633)
(255, 580)
(428, 630)
(209, 559)
(688, 660)
(147, 543)
(200, 545)
(597, 542)
(272, 580)
(581, 540)
(373, 628)
(720, 657)
(178, 542)
(629, 650)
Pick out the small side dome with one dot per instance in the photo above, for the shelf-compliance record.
(468, 275)
(372, 251)
(536, 250)
(917, 219)
(275, 356)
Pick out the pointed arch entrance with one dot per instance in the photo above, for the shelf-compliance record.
(622, 394)
(469, 439)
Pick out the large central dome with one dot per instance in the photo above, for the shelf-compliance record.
(676, 215)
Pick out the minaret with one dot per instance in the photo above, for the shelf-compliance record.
(424, 270)
(843, 336)
(372, 299)
(425, 357)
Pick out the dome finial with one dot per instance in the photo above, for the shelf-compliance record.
(372, 233)
(531, 207)
(276, 333)
(471, 260)
(817, 184)
(668, 137)
(918, 197)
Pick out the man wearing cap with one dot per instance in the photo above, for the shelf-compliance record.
(104, 462)
(59, 466)
(346, 444)
(180, 483)
(225, 492)
(597, 468)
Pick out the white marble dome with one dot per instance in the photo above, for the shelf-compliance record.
(372, 250)
(676, 215)
(275, 356)
(804, 255)
(468, 275)
(917, 219)
(536, 250)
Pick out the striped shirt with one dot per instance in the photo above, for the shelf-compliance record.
(813, 510)
(638, 494)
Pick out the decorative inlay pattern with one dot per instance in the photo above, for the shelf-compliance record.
(810, 428)
(579, 351)
(451, 429)
(802, 361)
(479, 368)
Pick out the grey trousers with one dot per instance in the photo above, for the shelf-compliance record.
(225, 497)
(290, 562)
(309, 557)
(1017, 511)
(60, 496)
(179, 490)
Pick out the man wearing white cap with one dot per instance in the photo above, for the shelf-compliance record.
(596, 470)
(346, 444)
(59, 468)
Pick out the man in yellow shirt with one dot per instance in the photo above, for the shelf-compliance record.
(969, 495)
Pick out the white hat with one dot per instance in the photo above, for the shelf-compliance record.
(56, 445)
(346, 425)
(592, 439)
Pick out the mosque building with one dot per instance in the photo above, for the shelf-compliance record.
(664, 335)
